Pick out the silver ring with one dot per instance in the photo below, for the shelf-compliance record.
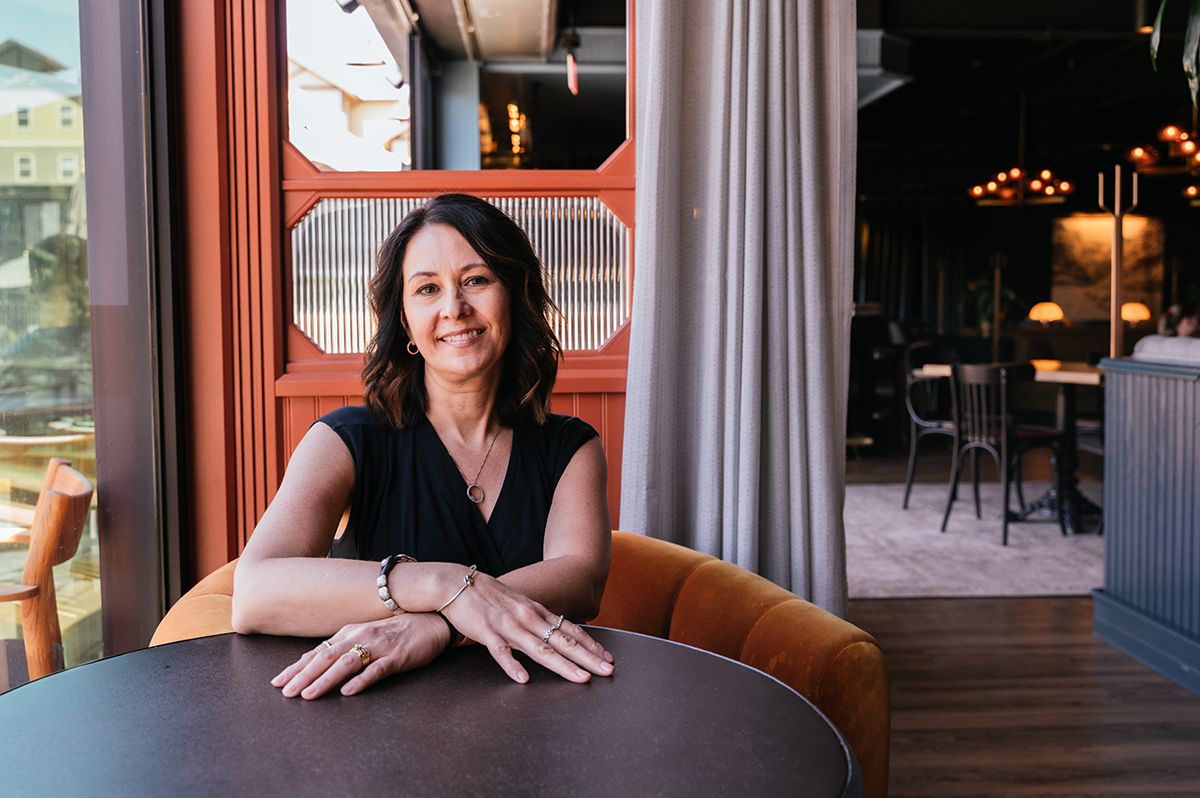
(552, 630)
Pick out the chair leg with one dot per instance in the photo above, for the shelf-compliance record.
(1058, 488)
(1017, 470)
(1005, 477)
(975, 480)
(914, 436)
(954, 472)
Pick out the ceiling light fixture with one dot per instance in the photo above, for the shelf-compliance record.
(1018, 186)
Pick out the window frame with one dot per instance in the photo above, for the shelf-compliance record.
(65, 124)
(128, 93)
(21, 156)
(22, 118)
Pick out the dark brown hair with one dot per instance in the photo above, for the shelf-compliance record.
(395, 380)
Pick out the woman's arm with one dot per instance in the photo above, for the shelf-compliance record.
(286, 585)
(578, 545)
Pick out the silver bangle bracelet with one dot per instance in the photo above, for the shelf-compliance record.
(385, 567)
(468, 580)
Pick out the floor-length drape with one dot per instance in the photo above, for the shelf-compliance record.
(735, 421)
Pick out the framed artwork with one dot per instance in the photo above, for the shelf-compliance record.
(1081, 259)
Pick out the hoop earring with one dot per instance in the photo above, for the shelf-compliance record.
(412, 349)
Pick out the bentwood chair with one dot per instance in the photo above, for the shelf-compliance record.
(58, 522)
(984, 422)
(929, 401)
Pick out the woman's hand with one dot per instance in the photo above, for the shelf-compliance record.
(504, 619)
(396, 644)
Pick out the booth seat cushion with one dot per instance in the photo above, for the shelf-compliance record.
(669, 591)
(206, 609)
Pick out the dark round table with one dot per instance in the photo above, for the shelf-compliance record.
(199, 717)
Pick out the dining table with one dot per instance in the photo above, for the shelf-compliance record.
(200, 718)
(1067, 376)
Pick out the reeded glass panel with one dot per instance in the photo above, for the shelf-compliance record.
(45, 336)
(584, 248)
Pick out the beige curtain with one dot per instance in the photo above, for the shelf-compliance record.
(739, 351)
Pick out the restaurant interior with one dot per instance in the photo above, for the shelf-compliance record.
(989, 140)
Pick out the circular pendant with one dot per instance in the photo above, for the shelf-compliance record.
(474, 493)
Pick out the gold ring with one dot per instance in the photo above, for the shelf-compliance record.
(364, 656)
(327, 644)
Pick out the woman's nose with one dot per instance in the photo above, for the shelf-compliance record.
(455, 304)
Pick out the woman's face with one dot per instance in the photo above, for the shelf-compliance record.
(1188, 325)
(456, 309)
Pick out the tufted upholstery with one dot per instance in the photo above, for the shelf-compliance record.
(669, 591)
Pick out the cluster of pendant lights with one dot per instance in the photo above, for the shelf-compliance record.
(1182, 155)
(1016, 186)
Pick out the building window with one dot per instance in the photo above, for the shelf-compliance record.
(66, 116)
(68, 167)
(21, 120)
(24, 167)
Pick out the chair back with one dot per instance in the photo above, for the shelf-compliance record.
(58, 522)
(982, 401)
(925, 399)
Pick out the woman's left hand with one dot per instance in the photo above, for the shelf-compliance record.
(392, 645)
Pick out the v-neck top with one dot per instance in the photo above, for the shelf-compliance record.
(409, 497)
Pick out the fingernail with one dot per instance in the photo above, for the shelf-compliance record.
(606, 667)
(581, 673)
(608, 656)
(522, 677)
(278, 680)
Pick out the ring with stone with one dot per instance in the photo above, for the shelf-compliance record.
(364, 656)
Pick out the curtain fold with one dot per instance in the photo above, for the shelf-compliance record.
(739, 350)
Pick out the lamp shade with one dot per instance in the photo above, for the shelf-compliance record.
(1046, 312)
(1134, 312)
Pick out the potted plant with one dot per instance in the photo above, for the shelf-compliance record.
(978, 304)
(1191, 46)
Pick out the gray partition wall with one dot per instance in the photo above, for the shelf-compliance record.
(1150, 605)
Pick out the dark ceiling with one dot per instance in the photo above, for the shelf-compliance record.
(1091, 93)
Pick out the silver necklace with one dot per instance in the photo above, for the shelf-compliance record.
(473, 485)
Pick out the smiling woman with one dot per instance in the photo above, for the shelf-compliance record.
(458, 379)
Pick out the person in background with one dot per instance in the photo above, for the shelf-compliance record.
(1182, 320)
(473, 511)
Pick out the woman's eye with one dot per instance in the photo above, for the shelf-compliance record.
(427, 289)
(477, 279)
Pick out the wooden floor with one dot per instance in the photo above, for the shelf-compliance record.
(1015, 697)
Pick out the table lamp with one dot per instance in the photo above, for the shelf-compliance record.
(1134, 312)
(1046, 312)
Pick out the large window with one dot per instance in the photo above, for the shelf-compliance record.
(46, 407)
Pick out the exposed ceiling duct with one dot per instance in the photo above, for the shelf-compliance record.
(882, 64)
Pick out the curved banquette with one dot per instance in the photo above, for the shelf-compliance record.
(662, 589)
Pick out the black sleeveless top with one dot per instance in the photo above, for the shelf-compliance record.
(409, 497)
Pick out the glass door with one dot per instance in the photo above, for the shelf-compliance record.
(46, 405)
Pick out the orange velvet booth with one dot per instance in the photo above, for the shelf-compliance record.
(661, 589)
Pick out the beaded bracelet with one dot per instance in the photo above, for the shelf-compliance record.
(385, 567)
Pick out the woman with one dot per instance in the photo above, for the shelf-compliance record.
(455, 461)
(1181, 320)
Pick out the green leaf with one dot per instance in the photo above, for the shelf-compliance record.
(1156, 36)
(1191, 45)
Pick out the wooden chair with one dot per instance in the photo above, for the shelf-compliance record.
(985, 423)
(58, 522)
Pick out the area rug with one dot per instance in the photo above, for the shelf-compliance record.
(896, 553)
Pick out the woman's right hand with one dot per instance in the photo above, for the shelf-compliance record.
(504, 619)
(396, 644)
